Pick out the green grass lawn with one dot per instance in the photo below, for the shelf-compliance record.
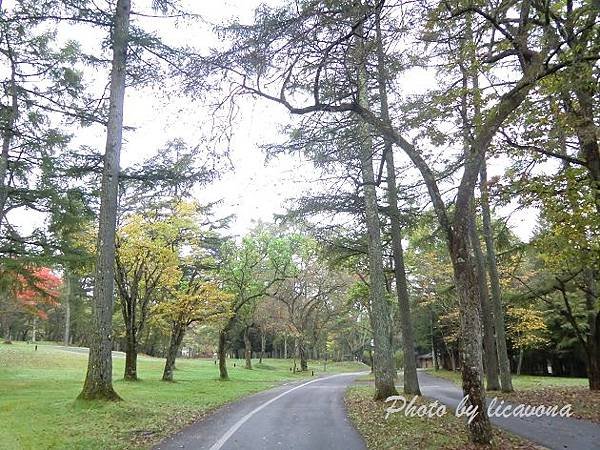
(38, 391)
(520, 382)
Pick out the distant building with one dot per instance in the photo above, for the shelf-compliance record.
(425, 361)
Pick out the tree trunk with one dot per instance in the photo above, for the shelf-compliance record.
(67, 306)
(411, 382)
(98, 381)
(492, 267)
(489, 340)
(262, 347)
(380, 311)
(587, 131)
(434, 352)
(247, 348)
(520, 363)
(34, 329)
(285, 353)
(594, 356)
(465, 269)
(177, 334)
(7, 337)
(7, 136)
(131, 352)
(295, 353)
(593, 337)
(223, 375)
(470, 324)
(302, 355)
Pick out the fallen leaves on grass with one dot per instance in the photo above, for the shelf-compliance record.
(400, 432)
(586, 403)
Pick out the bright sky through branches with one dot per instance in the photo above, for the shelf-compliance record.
(253, 190)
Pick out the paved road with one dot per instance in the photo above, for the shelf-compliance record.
(299, 416)
(552, 432)
(83, 350)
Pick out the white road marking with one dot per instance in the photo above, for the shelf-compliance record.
(219, 444)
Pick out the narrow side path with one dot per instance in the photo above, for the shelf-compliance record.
(557, 433)
(308, 415)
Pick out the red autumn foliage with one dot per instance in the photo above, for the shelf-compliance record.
(39, 289)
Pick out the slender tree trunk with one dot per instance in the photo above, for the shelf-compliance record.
(98, 381)
(223, 375)
(247, 348)
(492, 267)
(434, 352)
(489, 340)
(411, 382)
(7, 136)
(177, 334)
(593, 337)
(380, 311)
(67, 306)
(295, 353)
(285, 352)
(262, 347)
(131, 353)
(520, 363)
(34, 329)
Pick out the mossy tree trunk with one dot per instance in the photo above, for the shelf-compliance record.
(411, 382)
(177, 334)
(131, 353)
(247, 348)
(223, 375)
(496, 298)
(98, 381)
(383, 361)
(489, 339)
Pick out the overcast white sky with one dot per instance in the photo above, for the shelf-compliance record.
(253, 190)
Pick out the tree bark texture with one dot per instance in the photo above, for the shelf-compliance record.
(177, 334)
(492, 269)
(98, 381)
(489, 340)
(223, 375)
(247, 348)
(411, 382)
(384, 367)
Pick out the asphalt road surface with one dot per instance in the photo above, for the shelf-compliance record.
(308, 415)
(556, 433)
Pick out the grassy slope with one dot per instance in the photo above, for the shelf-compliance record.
(38, 388)
(402, 432)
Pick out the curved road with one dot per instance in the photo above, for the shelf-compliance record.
(555, 433)
(308, 415)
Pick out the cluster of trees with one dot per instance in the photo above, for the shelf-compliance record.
(515, 80)
(404, 231)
